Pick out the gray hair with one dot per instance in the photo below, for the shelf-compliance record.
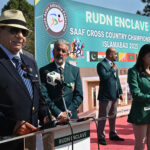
(60, 41)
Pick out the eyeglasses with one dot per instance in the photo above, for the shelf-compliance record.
(15, 31)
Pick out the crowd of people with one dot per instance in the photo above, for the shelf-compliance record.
(26, 97)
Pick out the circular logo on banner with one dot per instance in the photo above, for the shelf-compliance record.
(55, 19)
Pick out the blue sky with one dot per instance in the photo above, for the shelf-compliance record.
(130, 6)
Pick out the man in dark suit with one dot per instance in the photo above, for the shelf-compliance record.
(71, 74)
(21, 101)
(109, 92)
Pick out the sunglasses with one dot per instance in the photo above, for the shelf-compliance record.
(15, 31)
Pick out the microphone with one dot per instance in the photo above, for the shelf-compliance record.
(115, 67)
(29, 73)
(70, 85)
(53, 124)
(53, 78)
(23, 67)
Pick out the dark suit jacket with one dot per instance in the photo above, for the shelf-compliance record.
(15, 102)
(140, 90)
(52, 93)
(110, 87)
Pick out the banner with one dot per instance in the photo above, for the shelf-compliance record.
(90, 30)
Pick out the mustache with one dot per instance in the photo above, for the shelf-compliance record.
(59, 59)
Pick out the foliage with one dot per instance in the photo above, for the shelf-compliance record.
(145, 1)
(28, 11)
(146, 10)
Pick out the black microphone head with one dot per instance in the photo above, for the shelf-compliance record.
(46, 72)
(23, 67)
(59, 82)
(46, 76)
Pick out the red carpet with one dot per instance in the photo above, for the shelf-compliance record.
(124, 130)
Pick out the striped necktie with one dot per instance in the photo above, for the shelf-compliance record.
(21, 72)
(61, 70)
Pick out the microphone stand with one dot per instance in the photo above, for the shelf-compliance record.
(62, 85)
(62, 96)
(51, 123)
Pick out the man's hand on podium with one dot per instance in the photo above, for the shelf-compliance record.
(63, 116)
(23, 127)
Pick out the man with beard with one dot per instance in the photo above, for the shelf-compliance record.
(69, 74)
(109, 92)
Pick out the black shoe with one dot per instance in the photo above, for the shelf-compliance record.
(116, 138)
(102, 142)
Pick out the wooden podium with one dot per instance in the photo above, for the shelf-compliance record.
(58, 138)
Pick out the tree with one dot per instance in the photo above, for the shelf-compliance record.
(28, 11)
(146, 10)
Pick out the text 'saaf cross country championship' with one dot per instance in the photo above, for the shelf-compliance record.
(90, 30)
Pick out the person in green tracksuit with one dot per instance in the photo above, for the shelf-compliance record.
(139, 83)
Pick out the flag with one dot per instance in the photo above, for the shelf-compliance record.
(127, 57)
(131, 57)
(101, 56)
(122, 57)
(51, 52)
(93, 56)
